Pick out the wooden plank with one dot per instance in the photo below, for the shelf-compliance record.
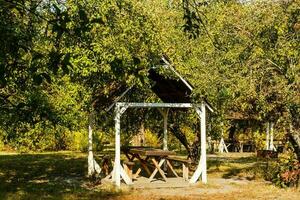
(125, 177)
(183, 171)
(171, 168)
(158, 165)
(198, 172)
(136, 173)
(152, 152)
(144, 165)
(157, 105)
(180, 160)
(128, 170)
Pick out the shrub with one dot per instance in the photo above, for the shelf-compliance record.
(287, 173)
(1, 140)
(1, 144)
(78, 140)
(151, 139)
(37, 137)
(259, 140)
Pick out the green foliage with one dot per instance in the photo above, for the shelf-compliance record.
(259, 140)
(189, 133)
(151, 139)
(78, 140)
(287, 173)
(1, 140)
(61, 60)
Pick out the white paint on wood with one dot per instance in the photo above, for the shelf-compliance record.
(201, 168)
(93, 166)
(198, 172)
(267, 136)
(177, 74)
(125, 176)
(118, 171)
(157, 105)
(118, 98)
(121, 107)
(272, 147)
(203, 143)
(222, 146)
(165, 139)
(117, 164)
(91, 169)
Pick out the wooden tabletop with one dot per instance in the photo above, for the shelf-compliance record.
(151, 152)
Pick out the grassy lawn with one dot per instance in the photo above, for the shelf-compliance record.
(62, 175)
(47, 176)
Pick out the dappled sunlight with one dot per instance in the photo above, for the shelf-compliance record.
(47, 175)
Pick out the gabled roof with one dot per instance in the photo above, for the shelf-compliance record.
(172, 89)
(169, 90)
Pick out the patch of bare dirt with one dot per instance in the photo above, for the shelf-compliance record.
(217, 188)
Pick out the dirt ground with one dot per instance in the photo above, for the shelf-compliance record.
(217, 188)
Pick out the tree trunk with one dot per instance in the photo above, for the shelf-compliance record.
(193, 150)
(295, 141)
(142, 134)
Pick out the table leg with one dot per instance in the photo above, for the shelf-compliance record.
(171, 168)
(158, 169)
(144, 164)
(137, 173)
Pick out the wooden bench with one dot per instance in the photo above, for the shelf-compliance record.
(185, 166)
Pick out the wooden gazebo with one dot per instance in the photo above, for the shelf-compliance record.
(175, 93)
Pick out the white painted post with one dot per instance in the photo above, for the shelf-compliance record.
(203, 143)
(222, 145)
(271, 136)
(165, 140)
(91, 169)
(93, 166)
(201, 168)
(267, 136)
(117, 164)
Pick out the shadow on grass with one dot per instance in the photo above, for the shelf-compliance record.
(249, 167)
(232, 173)
(46, 176)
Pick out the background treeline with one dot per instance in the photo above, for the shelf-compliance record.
(60, 61)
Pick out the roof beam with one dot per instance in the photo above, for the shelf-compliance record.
(158, 105)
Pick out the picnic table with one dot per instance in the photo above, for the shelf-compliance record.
(157, 156)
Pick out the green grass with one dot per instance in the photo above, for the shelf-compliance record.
(47, 176)
(229, 166)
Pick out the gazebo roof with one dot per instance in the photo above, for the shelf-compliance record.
(170, 90)
(170, 86)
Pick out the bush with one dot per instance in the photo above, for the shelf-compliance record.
(38, 137)
(287, 173)
(1, 140)
(259, 140)
(151, 139)
(1, 144)
(77, 140)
